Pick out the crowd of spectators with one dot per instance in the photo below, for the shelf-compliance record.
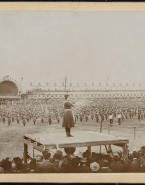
(77, 162)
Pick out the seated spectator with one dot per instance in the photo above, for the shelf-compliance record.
(57, 158)
(83, 168)
(134, 166)
(17, 164)
(1, 170)
(6, 165)
(117, 166)
(65, 165)
(74, 164)
(31, 165)
(46, 166)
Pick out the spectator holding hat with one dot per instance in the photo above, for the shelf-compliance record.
(46, 166)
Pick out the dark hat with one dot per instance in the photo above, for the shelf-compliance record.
(58, 154)
(69, 150)
(46, 154)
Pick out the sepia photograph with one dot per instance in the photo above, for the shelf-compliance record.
(72, 92)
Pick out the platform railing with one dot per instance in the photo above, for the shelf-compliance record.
(132, 127)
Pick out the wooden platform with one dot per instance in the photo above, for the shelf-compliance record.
(80, 139)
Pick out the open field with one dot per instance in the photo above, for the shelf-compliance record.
(11, 137)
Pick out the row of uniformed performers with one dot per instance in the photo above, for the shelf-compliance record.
(111, 110)
(25, 113)
(98, 111)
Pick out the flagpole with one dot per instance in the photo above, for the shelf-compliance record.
(21, 83)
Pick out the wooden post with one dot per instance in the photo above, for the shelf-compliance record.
(109, 129)
(134, 133)
(100, 131)
(33, 152)
(125, 153)
(25, 152)
(101, 126)
(89, 148)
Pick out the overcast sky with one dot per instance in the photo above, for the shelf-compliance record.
(88, 47)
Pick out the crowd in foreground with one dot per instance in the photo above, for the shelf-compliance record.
(73, 162)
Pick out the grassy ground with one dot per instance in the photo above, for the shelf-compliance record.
(11, 137)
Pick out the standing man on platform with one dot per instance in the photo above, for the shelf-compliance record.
(68, 118)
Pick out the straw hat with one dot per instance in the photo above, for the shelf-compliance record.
(94, 166)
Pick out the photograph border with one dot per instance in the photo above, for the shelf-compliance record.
(74, 6)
